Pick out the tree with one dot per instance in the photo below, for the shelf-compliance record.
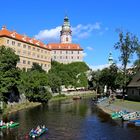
(34, 85)
(9, 73)
(37, 67)
(137, 61)
(126, 44)
(96, 80)
(72, 74)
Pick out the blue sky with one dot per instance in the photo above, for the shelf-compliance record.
(94, 22)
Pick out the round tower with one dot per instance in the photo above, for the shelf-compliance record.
(65, 33)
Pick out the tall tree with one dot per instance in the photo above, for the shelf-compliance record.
(137, 61)
(126, 44)
(9, 73)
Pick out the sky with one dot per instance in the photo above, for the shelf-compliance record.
(94, 23)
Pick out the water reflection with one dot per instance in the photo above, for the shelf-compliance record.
(69, 120)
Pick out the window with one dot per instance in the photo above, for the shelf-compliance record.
(67, 39)
(24, 46)
(54, 57)
(54, 52)
(19, 44)
(38, 50)
(13, 42)
(77, 57)
(7, 41)
(33, 48)
(33, 54)
(78, 52)
(18, 51)
(71, 52)
(60, 57)
(28, 62)
(29, 47)
(41, 56)
(45, 65)
(24, 52)
(29, 53)
(66, 57)
(24, 61)
(72, 57)
(41, 51)
(66, 52)
(38, 56)
(60, 52)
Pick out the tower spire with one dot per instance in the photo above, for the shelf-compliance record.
(110, 59)
(65, 33)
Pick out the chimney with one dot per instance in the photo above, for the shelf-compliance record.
(3, 27)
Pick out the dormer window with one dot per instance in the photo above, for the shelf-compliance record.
(13, 34)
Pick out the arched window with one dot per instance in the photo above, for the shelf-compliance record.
(67, 39)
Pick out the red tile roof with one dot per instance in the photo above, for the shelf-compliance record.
(64, 46)
(23, 38)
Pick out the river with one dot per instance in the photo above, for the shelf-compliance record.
(69, 120)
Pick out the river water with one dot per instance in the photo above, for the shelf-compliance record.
(69, 120)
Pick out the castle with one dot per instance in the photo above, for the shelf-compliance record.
(32, 51)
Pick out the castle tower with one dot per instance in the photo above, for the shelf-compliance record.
(110, 59)
(65, 33)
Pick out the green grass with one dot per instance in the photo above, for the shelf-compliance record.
(128, 104)
(19, 106)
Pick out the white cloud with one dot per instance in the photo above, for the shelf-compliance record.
(89, 48)
(49, 34)
(83, 31)
(78, 32)
(99, 67)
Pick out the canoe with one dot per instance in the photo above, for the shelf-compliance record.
(119, 114)
(9, 125)
(77, 97)
(34, 134)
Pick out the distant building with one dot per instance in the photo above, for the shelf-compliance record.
(66, 51)
(133, 88)
(29, 50)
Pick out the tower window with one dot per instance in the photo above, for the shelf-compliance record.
(67, 39)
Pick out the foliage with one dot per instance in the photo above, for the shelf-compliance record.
(37, 67)
(35, 86)
(73, 74)
(127, 45)
(9, 73)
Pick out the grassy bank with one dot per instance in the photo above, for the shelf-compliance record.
(19, 106)
(119, 105)
(63, 97)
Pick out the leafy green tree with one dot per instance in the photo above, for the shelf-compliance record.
(108, 76)
(72, 74)
(37, 67)
(34, 85)
(96, 80)
(127, 45)
(54, 82)
(137, 61)
(9, 73)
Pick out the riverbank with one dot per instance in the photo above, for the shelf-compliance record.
(19, 106)
(118, 105)
(83, 94)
